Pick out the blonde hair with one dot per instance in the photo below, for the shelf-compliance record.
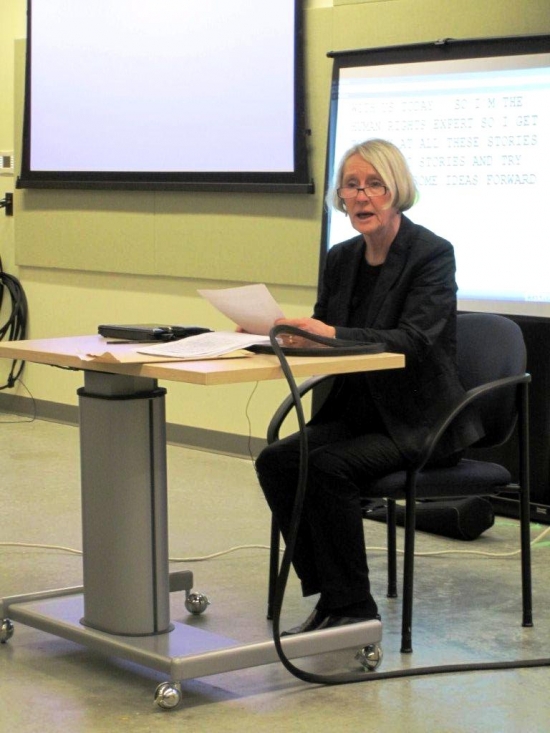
(394, 171)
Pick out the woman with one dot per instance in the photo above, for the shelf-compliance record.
(394, 283)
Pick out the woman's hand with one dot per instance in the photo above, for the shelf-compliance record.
(305, 324)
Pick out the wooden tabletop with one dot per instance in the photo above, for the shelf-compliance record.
(95, 353)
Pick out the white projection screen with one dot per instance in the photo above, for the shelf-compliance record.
(169, 94)
(473, 119)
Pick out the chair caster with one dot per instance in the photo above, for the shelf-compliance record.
(6, 630)
(196, 603)
(370, 657)
(168, 695)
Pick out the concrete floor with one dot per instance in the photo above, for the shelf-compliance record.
(467, 610)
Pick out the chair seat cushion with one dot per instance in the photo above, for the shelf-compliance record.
(467, 478)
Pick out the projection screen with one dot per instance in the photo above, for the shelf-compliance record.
(168, 94)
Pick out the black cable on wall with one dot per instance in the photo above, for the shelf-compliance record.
(15, 328)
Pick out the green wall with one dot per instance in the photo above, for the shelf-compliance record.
(86, 257)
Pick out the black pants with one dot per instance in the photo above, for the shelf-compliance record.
(330, 556)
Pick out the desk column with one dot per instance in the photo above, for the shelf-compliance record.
(124, 505)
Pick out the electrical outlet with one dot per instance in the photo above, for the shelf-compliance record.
(6, 163)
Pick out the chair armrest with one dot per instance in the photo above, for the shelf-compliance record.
(470, 397)
(287, 405)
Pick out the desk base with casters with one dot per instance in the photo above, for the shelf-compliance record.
(123, 608)
(184, 652)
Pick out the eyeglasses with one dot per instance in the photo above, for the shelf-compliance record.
(371, 191)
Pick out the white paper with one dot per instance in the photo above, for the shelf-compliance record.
(205, 345)
(252, 307)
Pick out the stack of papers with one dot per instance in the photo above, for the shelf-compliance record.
(205, 345)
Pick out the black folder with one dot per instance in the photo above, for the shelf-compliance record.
(149, 332)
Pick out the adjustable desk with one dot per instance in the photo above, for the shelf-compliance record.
(122, 609)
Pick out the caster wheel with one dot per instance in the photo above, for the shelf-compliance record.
(168, 695)
(6, 630)
(370, 657)
(196, 603)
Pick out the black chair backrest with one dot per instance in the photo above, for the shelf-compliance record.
(490, 347)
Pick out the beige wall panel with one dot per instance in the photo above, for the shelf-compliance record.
(238, 237)
(372, 24)
(85, 230)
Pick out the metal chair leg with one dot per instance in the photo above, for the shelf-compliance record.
(408, 570)
(273, 566)
(524, 507)
(392, 548)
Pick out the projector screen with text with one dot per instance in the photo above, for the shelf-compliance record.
(476, 133)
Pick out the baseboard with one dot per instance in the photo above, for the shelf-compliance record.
(214, 441)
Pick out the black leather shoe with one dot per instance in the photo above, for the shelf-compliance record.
(311, 623)
(318, 620)
(331, 621)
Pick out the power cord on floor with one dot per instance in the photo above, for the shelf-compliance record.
(239, 548)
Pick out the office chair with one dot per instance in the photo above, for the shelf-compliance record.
(491, 359)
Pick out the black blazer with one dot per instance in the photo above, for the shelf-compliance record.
(413, 311)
